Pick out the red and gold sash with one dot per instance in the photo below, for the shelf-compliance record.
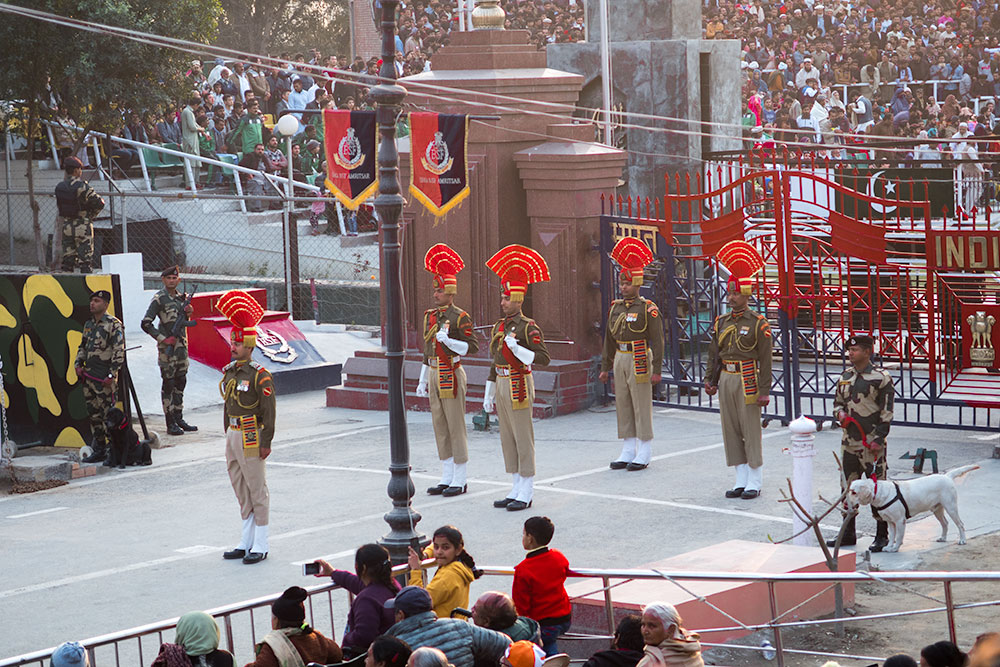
(446, 372)
(641, 361)
(518, 379)
(748, 370)
(251, 436)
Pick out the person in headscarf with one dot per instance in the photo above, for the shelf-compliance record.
(69, 654)
(291, 642)
(198, 635)
(668, 644)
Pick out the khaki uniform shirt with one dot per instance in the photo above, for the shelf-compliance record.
(248, 389)
(459, 328)
(528, 335)
(742, 337)
(868, 397)
(103, 345)
(632, 320)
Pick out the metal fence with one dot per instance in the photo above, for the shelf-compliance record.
(242, 623)
(221, 240)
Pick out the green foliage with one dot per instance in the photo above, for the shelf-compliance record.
(272, 27)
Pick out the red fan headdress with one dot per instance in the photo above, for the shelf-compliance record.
(245, 314)
(743, 262)
(518, 266)
(444, 263)
(632, 255)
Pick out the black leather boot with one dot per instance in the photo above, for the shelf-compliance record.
(850, 537)
(179, 420)
(173, 428)
(881, 537)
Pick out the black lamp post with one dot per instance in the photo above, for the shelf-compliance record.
(388, 97)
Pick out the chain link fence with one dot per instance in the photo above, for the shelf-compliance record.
(220, 239)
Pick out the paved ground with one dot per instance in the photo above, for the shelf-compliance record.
(133, 547)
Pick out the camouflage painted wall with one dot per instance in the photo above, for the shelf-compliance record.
(41, 325)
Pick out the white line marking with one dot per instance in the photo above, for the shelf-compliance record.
(328, 557)
(37, 512)
(198, 549)
(987, 436)
(667, 411)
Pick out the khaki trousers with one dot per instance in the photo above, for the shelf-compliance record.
(740, 423)
(247, 477)
(633, 400)
(448, 416)
(517, 433)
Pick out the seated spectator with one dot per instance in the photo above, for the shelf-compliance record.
(527, 654)
(465, 644)
(69, 654)
(942, 654)
(276, 157)
(312, 158)
(986, 651)
(667, 642)
(626, 649)
(496, 611)
(168, 129)
(291, 637)
(428, 657)
(899, 660)
(197, 644)
(387, 651)
(372, 585)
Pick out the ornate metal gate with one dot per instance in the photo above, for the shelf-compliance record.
(838, 262)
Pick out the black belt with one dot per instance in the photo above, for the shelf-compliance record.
(899, 497)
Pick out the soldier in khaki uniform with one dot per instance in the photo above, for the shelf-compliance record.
(78, 203)
(863, 405)
(739, 369)
(248, 418)
(172, 356)
(633, 348)
(448, 336)
(98, 360)
(516, 344)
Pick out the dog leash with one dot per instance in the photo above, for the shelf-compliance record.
(848, 420)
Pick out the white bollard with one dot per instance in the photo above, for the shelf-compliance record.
(803, 450)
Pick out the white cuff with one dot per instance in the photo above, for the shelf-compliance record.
(491, 389)
(524, 354)
(459, 347)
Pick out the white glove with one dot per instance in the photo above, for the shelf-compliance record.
(459, 347)
(511, 342)
(422, 383)
(491, 390)
(524, 354)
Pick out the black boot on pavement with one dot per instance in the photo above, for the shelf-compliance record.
(881, 537)
(173, 428)
(179, 420)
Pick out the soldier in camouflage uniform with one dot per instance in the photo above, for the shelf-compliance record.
(168, 304)
(100, 355)
(78, 203)
(863, 405)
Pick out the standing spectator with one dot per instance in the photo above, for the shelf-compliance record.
(539, 588)
(240, 80)
(299, 98)
(249, 131)
(190, 132)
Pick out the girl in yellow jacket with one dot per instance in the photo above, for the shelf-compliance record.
(456, 569)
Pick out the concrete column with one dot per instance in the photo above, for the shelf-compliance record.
(803, 451)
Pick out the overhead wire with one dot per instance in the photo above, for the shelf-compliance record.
(356, 79)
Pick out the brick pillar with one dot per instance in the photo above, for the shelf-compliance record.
(564, 181)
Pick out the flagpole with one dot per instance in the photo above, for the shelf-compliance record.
(389, 96)
(605, 73)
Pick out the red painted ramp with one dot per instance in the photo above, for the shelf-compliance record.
(746, 601)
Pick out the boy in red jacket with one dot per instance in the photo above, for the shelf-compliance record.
(539, 590)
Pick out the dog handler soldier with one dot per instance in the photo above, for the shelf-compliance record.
(168, 305)
(863, 405)
(78, 203)
(100, 355)
(515, 344)
(633, 348)
(739, 369)
(448, 336)
(248, 417)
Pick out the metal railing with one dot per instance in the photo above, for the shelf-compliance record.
(120, 642)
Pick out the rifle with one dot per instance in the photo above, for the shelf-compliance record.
(182, 322)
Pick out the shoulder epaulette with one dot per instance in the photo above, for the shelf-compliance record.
(228, 366)
(256, 365)
(429, 311)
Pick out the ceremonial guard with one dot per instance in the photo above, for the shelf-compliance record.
(739, 369)
(172, 308)
(863, 405)
(516, 344)
(77, 203)
(633, 348)
(448, 336)
(98, 359)
(248, 418)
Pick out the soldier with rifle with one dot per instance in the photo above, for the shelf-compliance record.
(172, 308)
(78, 203)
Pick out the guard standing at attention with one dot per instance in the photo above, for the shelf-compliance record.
(78, 203)
(863, 405)
(739, 369)
(248, 419)
(633, 348)
(448, 336)
(98, 360)
(170, 305)
(516, 344)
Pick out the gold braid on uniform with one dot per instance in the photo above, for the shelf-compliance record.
(731, 331)
(497, 339)
(228, 390)
(432, 331)
(621, 324)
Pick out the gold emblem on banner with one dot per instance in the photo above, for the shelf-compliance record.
(982, 353)
(437, 159)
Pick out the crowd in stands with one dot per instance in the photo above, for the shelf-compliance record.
(814, 71)
(429, 624)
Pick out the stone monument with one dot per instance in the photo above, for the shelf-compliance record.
(660, 65)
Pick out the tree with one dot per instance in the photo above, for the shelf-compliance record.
(276, 26)
(88, 78)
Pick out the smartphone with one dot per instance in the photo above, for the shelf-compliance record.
(310, 569)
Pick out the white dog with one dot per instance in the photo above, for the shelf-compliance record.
(898, 501)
